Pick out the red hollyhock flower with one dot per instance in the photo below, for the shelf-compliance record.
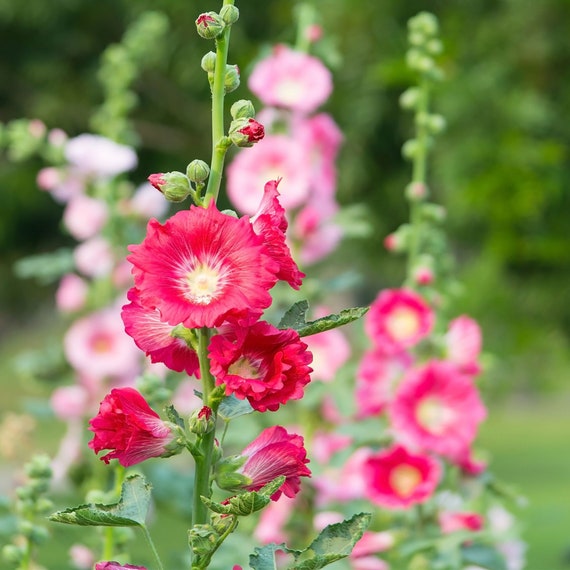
(275, 452)
(266, 365)
(398, 319)
(128, 427)
(437, 408)
(450, 521)
(397, 479)
(201, 266)
(154, 337)
(271, 224)
(254, 131)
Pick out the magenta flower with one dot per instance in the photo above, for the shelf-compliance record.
(437, 408)
(273, 453)
(155, 338)
(450, 521)
(271, 224)
(254, 131)
(261, 363)
(397, 479)
(291, 79)
(128, 427)
(202, 266)
(116, 566)
(398, 319)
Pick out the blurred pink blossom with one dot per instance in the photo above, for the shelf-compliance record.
(463, 343)
(291, 79)
(71, 293)
(450, 521)
(81, 556)
(148, 203)
(84, 216)
(330, 351)
(70, 402)
(323, 519)
(326, 444)
(94, 257)
(59, 184)
(272, 520)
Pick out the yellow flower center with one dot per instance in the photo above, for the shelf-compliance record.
(403, 323)
(202, 284)
(404, 479)
(434, 416)
(244, 368)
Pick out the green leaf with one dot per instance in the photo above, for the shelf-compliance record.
(263, 558)
(295, 318)
(45, 267)
(231, 407)
(173, 416)
(484, 556)
(131, 510)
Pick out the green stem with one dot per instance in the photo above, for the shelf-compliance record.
(305, 17)
(218, 132)
(206, 443)
(152, 547)
(108, 543)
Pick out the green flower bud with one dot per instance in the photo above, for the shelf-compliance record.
(436, 124)
(208, 62)
(416, 192)
(38, 535)
(39, 467)
(209, 25)
(231, 79)
(13, 554)
(409, 98)
(434, 46)
(425, 23)
(242, 109)
(433, 213)
(229, 14)
(416, 38)
(174, 185)
(221, 523)
(202, 421)
(410, 148)
(203, 539)
(197, 171)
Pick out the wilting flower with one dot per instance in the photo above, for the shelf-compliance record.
(291, 79)
(271, 224)
(261, 363)
(463, 343)
(116, 566)
(202, 266)
(437, 408)
(156, 338)
(398, 319)
(397, 479)
(130, 428)
(273, 453)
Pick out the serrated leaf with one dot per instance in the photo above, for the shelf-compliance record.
(336, 541)
(484, 556)
(241, 505)
(173, 416)
(294, 318)
(263, 558)
(231, 407)
(131, 510)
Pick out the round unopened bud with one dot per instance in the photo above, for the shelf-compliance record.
(174, 185)
(423, 273)
(416, 191)
(416, 38)
(410, 149)
(242, 109)
(425, 23)
(397, 242)
(436, 124)
(197, 171)
(208, 62)
(209, 25)
(202, 421)
(434, 46)
(231, 79)
(246, 132)
(433, 212)
(409, 99)
(39, 467)
(13, 554)
(39, 535)
(229, 14)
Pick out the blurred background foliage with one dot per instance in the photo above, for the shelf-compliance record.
(500, 169)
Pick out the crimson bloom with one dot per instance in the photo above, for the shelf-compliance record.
(260, 363)
(128, 427)
(273, 453)
(201, 266)
(111, 565)
(437, 408)
(254, 131)
(397, 479)
(398, 319)
(270, 223)
(155, 337)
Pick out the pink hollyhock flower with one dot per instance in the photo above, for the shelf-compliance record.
(71, 293)
(272, 521)
(368, 563)
(397, 479)
(97, 156)
(437, 408)
(275, 157)
(326, 444)
(61, 185)
(273, 453)
(316, 232)
(202, 266)
(261, 363)
(84, 216)
(253, 130)
(70, 402)
(155, 337)
(377, 377)
(453, 521)
(463, 343)
(148, 203)
(128, 426)
(81, 556)
(291, 79)
(271, 224)
(97, 345)
(94, 257)
(116, 566)
(398, 319)
(325, 518)
(468, 464)
(373, 543)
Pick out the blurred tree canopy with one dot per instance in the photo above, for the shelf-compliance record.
(500, 169)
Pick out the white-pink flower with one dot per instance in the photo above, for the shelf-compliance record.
(272, 521)
(437, 408)
(99, 157)
(98, 346)
(71, 293)
(84, 217)
(330, 351)
(70, 402)
(273, 158)
(94, 257)
(291, 79)
(148, 203)
(463, 343)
